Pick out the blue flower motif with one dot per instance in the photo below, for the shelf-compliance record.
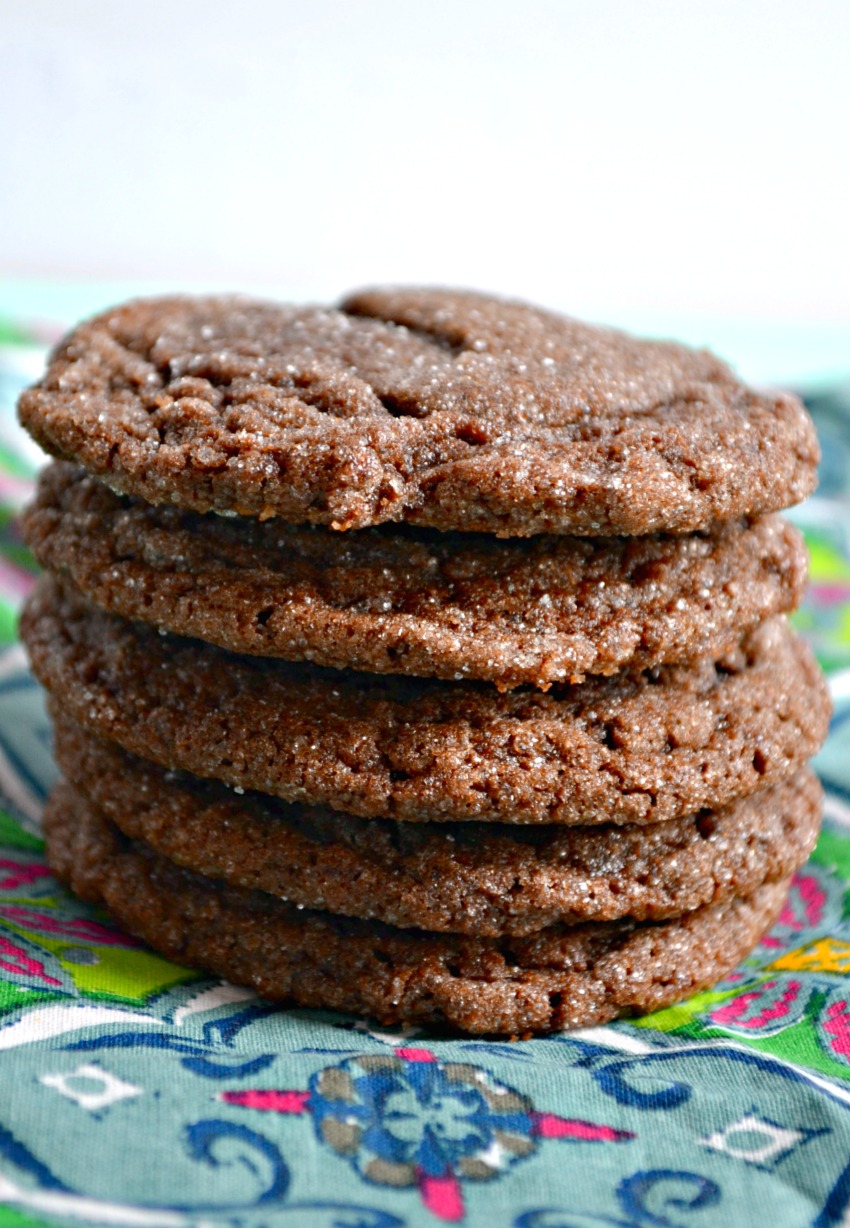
(405, 1119)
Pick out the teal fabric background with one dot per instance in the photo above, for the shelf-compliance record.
(135, 1092)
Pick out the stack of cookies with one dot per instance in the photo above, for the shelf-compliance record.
(424, 658)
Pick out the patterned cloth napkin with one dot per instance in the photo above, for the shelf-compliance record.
(134, 1092)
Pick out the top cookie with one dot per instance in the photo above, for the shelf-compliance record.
(447, 409)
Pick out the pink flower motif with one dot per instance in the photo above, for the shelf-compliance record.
(78, 927)
(271, 1101)
(442, 1196)
(806, 889)
(829, 594)
(737, 1012)
(836, 1025)
(14, 959)
(13, 874)
(550, 1125)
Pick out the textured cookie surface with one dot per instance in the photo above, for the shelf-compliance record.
(560, 977)
(484, 879)
(447, 409)
(638, 747)
(525, 610)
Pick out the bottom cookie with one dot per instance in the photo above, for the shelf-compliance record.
(561, 977)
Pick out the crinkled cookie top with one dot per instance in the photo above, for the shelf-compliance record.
(441, 408)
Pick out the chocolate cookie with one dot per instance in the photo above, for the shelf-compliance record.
(561, 977)
(414, 601)
(441, 408)
(639, 747)
(481, 879)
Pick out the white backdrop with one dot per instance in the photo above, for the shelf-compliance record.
(601, 156)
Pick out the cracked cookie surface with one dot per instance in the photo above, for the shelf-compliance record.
(442, 408)
(560, 977)
(639, 747)
(480, 879)
(412, 601)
